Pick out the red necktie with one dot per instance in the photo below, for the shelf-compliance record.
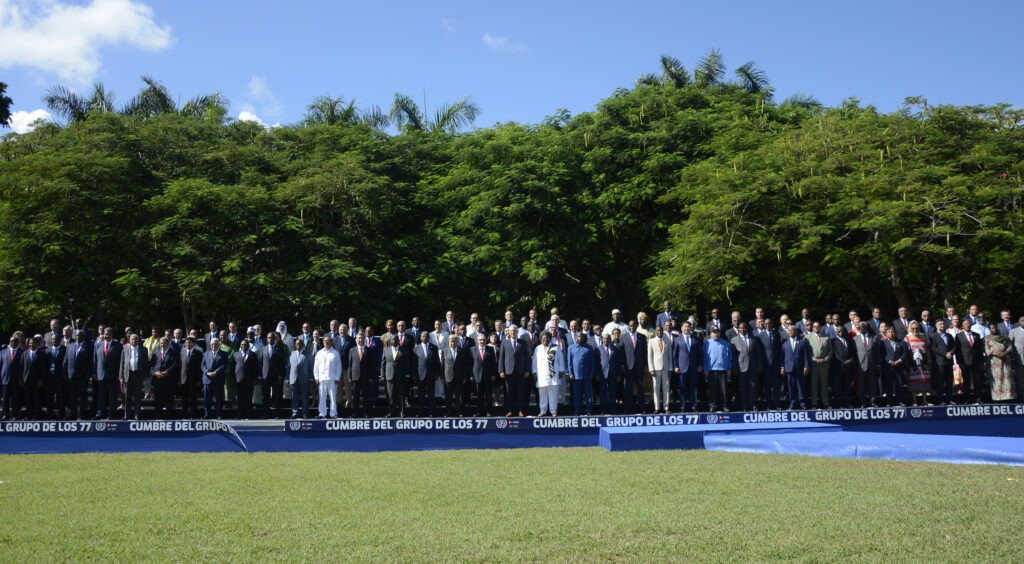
(969, 339)
(106, 348)
(481, 354)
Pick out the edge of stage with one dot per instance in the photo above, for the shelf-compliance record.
(989, 433)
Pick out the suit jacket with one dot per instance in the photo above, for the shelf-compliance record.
(941, 344)
(635, 356)
(747, 356)
(55, 355)
(688, 360)
(484, 369)
(795, 359)
(359, 368)
(35, 366)
(707, 328)
(169, 362)
(452, 363)
(275, 366)
(610, 361)
(660, 360)
(771, 353)
(428, 363)
(869, 357)
(107, 365)
(301, 371)
(893, 351)
(820, 347)
(902, 327)
(842, 350)
(514, 357)
(214, 361)
(236, 341)
(1017, 341)
(665, 316)
(78, 361)
(376, 348)
(1005, 331)
(11, 365)
(191, 365)
(395, 365)
(141, 366)
(968, 354)
(247, 366)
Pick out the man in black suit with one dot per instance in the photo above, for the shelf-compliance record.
(894, 357)
(165, 364)
(771, 389)
(869, 361)
(427, 366)
(214, 369)
(360, 372)
(134, 369)
(274, 362)
(514, 367)
(634, 349)
(902, 324)
(78, 369)
(107, 365)
(191, 360)
(485, 372)
(844, 358)
(943, 348)
(55, 390)
(34, 372)
(247, 372)
(746, 364)
(969, 356)
(394, 367)
(10, 379)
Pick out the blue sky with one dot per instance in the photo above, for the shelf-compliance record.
(519, 61)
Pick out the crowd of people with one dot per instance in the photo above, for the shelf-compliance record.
(519, 368)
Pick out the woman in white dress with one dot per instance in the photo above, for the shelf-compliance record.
(548, 365)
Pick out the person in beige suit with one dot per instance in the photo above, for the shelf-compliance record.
(821, 356)
(659, 364)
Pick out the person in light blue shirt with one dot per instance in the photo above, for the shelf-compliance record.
(581, 361)
(717, 363)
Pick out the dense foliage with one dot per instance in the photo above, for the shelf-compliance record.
(697, 190)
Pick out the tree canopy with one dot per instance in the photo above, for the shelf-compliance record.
(691, 188)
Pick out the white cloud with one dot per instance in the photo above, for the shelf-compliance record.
(245, 115)
(66, 39)
(501, 44)
(21, 122)
(261, 93)
(447, 25)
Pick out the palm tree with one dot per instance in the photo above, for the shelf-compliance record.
(326, 110)
(710, 69)
(673, 72)
(754, 80)
(213, 106)
(802, 100)
(72, 107)
(448, 118)
(153, 99)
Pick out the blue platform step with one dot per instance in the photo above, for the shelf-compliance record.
(671, 437)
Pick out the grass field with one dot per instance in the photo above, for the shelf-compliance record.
(509, 505)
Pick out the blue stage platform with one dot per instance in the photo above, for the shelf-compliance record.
(368, 435)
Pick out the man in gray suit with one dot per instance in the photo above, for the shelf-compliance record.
(746, 365)
(134, 369)
(452, 361)
(394, 366)
(427, 367)
(107, 359)
(869, 360)
(485, 372)
(821, 359)
(360, 362)
(514, 367)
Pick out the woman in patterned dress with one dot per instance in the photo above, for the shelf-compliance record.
(1000, 369)
(919, 373)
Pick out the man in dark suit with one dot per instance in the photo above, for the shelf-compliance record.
(795, 366)
(274, 362)
(427, 367)
(771, 389)
(714, 321)
(247, 372)
(107, 365)
(191, 376)
(485, 372)
(902, 324)
(453, 359)
(360, 369)
(371, 387)
(300, 377)
(78, 370)
(867, 345)
(610, 361)
(394, 368)
(970, 358)
(214, 369)
(213, 334)
(843, 367)
(10, 379)
(34, 371)
(746, 365)
(634, 349)
(55, 391)
(1006, 325)
(134, 369)
(514, 367)
(165, 364)
(894, 357)
(667, 314)
(942, 346)
(234, 336)
(927, 325)
(876, 321)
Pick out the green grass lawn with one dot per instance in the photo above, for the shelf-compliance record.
(511, 505)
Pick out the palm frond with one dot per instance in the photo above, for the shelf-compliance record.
(751, 78)
(673, 72)
(802, 100)
(648, 79)
(375, 118)
(405, 113)
(453, 117)
(65, 103)
(710, 69)
(153, 99)
(214, 106)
